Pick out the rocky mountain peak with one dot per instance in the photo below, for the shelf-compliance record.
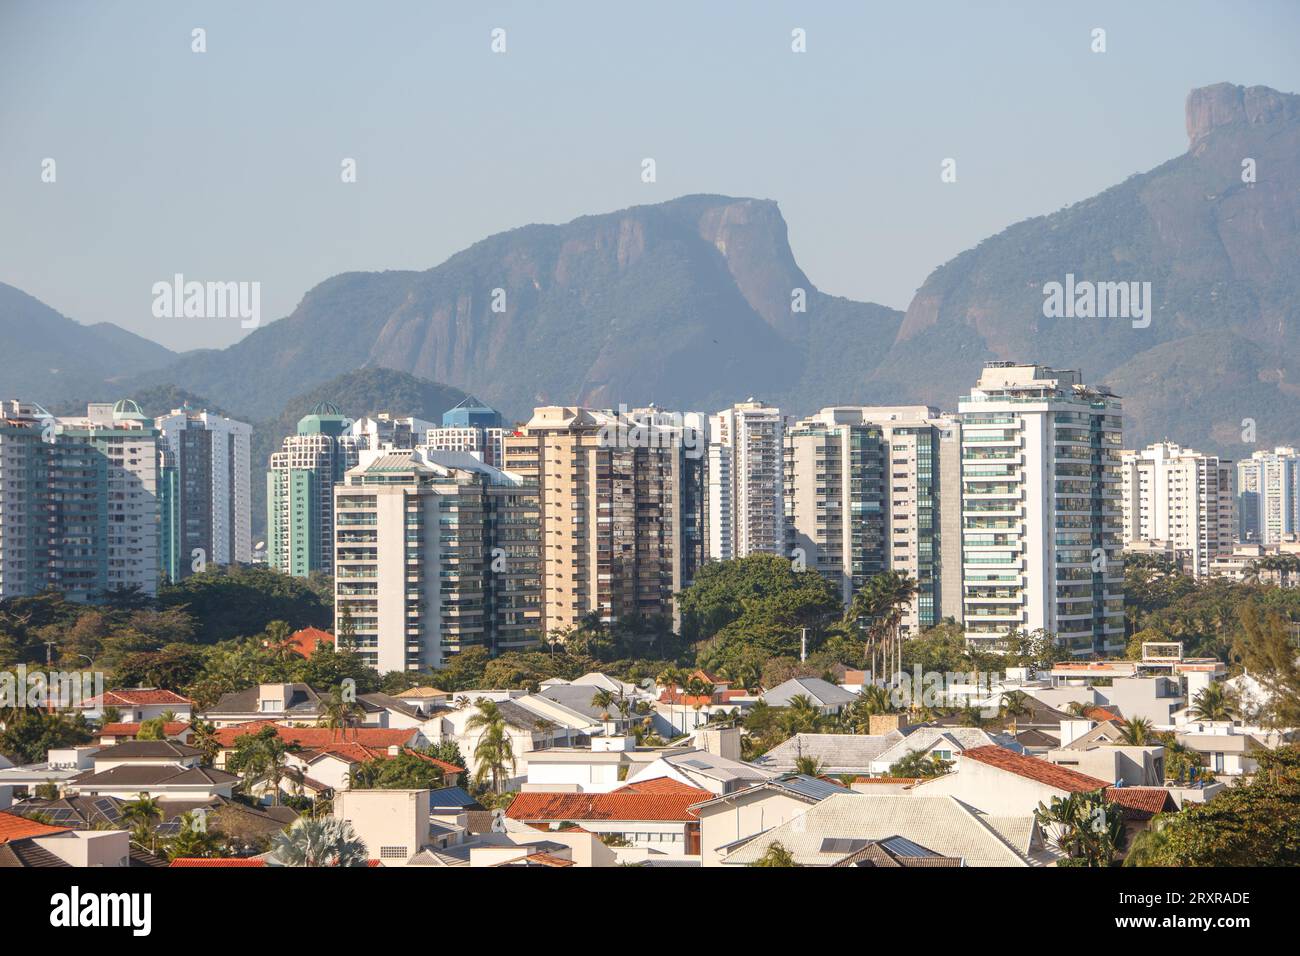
(1223, 104)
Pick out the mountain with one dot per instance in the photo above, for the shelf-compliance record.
(1223, 258)
(49, 357)
(685, 303)
(688, 304)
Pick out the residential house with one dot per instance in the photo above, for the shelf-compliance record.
(137, 704)
(827, 697)
(940, 743)
(835, 754)
(661, 821)
(1002, 783)
(732, 817)
(158, 768)
(28, 843)
(841, 825)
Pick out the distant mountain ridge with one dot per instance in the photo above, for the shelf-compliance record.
(691, 301)
(45, 356)
(688, 304)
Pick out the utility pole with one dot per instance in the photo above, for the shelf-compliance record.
(803, 644)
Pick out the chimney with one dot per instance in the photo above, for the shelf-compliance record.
(721, 742)
(878, 724)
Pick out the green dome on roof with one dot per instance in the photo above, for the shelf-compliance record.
(128, 409)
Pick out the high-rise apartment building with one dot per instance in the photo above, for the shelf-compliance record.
(1268, 495)
(901, 490)
(300, 492)
(470, 426)
(835, 497)
(1182, 498)
(206, 499)
(383, 430)
(25, 429)
(745, 465)
(434, 552)
(78, 501)
(621, 498)
(1041, 509)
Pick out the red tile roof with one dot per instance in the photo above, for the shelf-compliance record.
(662, 807)
(322, 738)
(15, 827)
(1102, 714)
(197, 861)
(657, 785)
(308, 639)
(137, 697)
(893, 780)
(1034, 768)
(173, 728)
(1142, 803)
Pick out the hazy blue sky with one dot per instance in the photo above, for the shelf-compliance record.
(225, 165)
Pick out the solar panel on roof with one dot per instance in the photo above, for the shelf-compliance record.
(171, 828)
(108, 808)
(842, 845)
(902, 846)
(61, 816)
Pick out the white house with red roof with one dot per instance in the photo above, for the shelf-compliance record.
(1002, 783)
(655, 816)
(137, 704)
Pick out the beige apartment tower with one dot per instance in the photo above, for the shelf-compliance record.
(621, 507)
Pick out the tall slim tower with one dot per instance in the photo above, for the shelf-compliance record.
(300, 492)
(746, 463)
(621, 499)
(1268, 498)
(207, 498)
(1041, 508)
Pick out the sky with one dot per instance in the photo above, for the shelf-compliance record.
(226, 165)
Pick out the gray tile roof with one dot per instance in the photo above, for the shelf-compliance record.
(838, 753)
(146, 748)
(146, 775)
(958, 739)
(941, 824)
(823, 693)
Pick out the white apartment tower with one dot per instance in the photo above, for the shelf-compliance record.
(1268, 495)
(745, 467)
(897, 475)
(209, 494)
(1041, 511)
(434, 552)
(1179, 497)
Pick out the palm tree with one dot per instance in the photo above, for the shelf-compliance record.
(1137, 732)
(809, 766)
(775, 855)
(204, 738)
(194, 839)
(1083, 826)
(324, 842)
(340, 711)
(1015, 704)
(602, 700)
(882, 601)
(674, 678)
(494, 750)
(140, 814)
(1215, 702)
(802, 716)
